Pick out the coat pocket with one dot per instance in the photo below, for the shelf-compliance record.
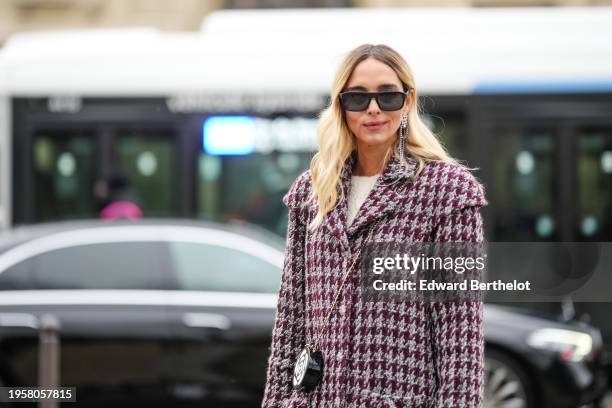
(370, 399)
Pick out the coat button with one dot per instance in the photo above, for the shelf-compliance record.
(342, 309)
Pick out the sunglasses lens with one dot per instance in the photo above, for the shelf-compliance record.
(391, 101)
(359, 101)
(355, 101)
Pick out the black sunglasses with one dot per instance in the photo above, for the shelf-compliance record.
(356, 101)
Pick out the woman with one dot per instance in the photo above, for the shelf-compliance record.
(378, 171)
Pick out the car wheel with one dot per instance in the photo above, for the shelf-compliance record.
(507, 385)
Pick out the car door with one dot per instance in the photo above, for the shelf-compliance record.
(109, 300)
(222, 313)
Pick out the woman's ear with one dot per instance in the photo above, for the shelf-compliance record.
(409, 99)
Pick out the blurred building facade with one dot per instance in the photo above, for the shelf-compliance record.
(27, 15)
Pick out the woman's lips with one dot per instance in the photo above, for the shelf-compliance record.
(374, 125)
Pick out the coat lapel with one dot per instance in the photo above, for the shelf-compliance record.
(335, 221)
(383, 199)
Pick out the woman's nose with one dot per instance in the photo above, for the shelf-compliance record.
(373, 106)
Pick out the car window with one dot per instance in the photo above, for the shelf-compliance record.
(118, 265)
(17, 277)
(208, 267)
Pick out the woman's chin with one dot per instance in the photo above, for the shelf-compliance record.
(375, 139)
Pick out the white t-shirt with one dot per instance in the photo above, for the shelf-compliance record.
(360, 188)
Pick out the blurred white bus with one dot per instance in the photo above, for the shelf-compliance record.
(219, 122)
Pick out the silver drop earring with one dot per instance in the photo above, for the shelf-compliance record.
(403, 131)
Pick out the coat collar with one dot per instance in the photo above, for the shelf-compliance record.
(385, 196)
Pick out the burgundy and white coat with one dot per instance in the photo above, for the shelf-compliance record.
(379, 354)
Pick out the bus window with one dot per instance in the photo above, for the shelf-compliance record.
(64, 172)
(249, 188)
(523, 195)
(148, 159)
(450, 131)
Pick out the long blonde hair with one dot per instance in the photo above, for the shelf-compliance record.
(336, 141)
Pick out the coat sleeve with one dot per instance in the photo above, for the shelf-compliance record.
(457, 327)
(288, 331)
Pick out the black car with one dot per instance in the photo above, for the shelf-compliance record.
(537, 360)
(180, 313)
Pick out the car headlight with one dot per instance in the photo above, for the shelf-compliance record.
(571, 345)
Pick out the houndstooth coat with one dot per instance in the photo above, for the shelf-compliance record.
(379, 354)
